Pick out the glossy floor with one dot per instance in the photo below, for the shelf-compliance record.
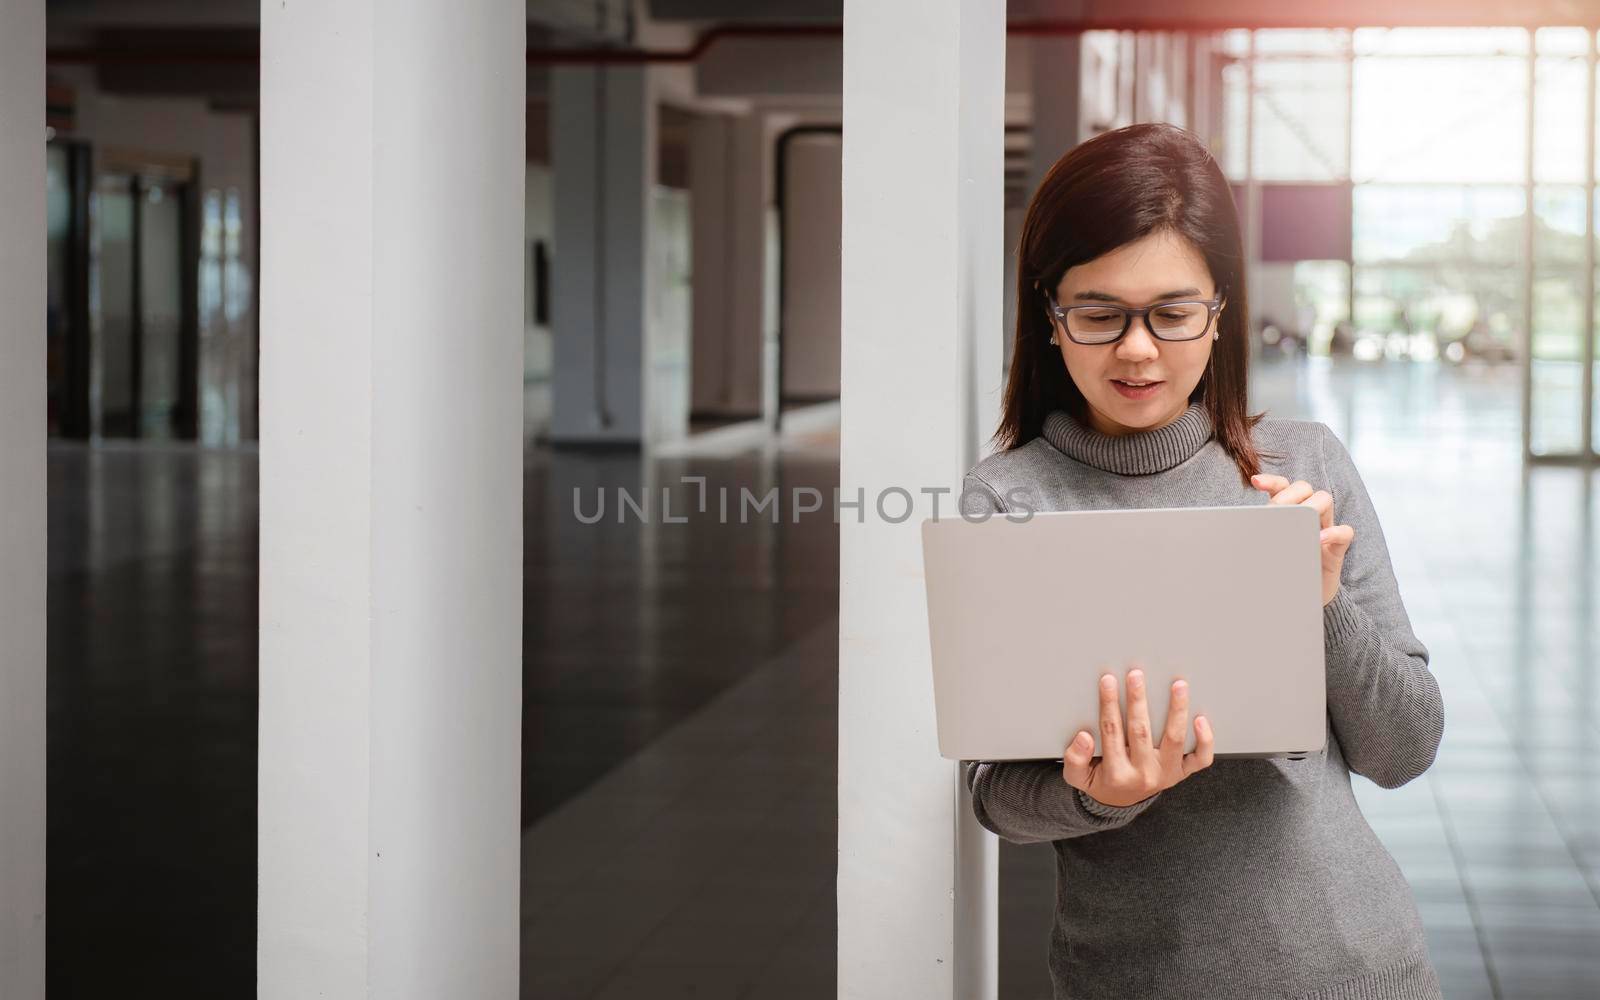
(680, 715)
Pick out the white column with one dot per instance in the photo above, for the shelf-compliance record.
(710, 160)
(22, 499)
(730, 174)
(923, 84)
(391, 508)
(752, 274)
(603, 166)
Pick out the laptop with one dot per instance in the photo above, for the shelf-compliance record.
(1024, 616)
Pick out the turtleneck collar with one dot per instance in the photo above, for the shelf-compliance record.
(1141, 453)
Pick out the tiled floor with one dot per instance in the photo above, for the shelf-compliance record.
(680, 757)
(151, 722)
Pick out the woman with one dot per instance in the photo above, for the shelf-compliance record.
(1176, 876)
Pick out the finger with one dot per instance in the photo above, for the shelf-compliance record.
(1112, 747)
(1322, 502)
(1336, 542)
(1202, 756)
(1270, 484)
(1139, 747)
(1295, 492)
(1338, 534)
(1077, 761)
(1177, 728)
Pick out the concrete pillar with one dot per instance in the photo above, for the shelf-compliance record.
(730, 180)
(754, 265)
(729, 176)
(710, 170)
(610, 367)
(22, 500)
(391, 508)
(810, 263)
(923, 83)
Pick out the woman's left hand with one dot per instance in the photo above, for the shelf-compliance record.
(1336, 538)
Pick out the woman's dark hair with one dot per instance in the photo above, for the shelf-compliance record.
(1105, 193)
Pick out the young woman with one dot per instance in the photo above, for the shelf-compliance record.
(1177, 876)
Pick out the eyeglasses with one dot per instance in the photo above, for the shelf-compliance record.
(1102, 323)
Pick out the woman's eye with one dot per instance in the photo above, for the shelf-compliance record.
(1173, 316)
(1101, 317)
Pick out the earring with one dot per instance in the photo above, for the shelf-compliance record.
(1053, 341)
(1216, 334)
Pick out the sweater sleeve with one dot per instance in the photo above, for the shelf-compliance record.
(1027, 802)
(1383, 701)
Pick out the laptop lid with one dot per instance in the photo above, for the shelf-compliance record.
(1024, 616)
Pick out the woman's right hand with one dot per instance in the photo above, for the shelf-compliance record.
(1131, 768)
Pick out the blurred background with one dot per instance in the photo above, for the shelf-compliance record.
(1418, 194)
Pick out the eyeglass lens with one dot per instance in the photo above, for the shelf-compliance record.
(1172, 321)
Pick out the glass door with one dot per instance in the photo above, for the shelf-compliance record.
(115, 306)
(144, 307)
(161, 259)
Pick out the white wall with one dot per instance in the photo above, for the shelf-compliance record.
(812, 219)
(224, 143)
(22, 501)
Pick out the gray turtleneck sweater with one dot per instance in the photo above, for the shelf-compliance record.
(1254, 878)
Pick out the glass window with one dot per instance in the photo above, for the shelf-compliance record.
(1302, 119)
(1594, 437)
(1437, 222)
(1412, 311)
(1234, 41)
(1557, 403)
(1322, 295)
(1440, 118)
(1558, 225)
(1561, 41)
(1558, 107)
(1440, 41)
(1235, 84)
(1298, 41)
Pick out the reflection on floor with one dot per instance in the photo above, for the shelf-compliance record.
(151, 722)
(680, 718)
(635, 621)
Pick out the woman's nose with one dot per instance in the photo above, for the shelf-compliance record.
(1137, 344)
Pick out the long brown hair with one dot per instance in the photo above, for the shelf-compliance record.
(1105, 193)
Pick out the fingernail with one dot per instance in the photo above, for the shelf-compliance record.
(1180, 685)
(1136, 674)
(1201, 721)
(1082, 741)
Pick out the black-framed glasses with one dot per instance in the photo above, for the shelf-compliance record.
(1103, 323)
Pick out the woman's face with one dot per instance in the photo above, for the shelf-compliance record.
(1160, 267)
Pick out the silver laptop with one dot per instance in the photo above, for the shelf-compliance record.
(1024, 617)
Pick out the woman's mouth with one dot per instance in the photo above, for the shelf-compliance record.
(1136, 389)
